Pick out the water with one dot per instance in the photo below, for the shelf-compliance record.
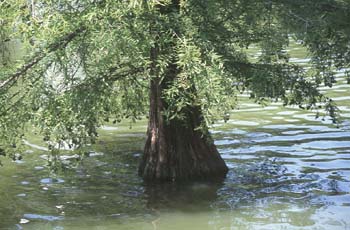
(282, 176)
(288, 170)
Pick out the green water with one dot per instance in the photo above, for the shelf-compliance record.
(288, 170)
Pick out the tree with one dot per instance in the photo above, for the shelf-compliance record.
(90, 62)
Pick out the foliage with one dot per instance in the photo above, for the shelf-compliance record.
(88, 62)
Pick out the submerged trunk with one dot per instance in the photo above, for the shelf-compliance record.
(174, 149)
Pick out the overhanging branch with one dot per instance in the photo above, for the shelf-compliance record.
(61, 43)
(113, 74)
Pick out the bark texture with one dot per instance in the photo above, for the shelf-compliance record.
(174, 150)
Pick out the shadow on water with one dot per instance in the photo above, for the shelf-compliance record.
(182, 196)
(259, 195)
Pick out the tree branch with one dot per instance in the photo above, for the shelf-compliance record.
(61, 43)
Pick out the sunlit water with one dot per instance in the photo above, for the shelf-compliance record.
(288, 170)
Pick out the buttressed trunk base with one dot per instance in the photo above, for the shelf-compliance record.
(174, 150)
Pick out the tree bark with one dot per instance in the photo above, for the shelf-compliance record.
(175, 150)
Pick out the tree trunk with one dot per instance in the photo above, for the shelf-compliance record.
(174, 149)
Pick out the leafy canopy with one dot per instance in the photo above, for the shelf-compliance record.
(86, 62)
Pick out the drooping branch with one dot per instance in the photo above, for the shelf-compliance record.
(61, 43)
(113, 74)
